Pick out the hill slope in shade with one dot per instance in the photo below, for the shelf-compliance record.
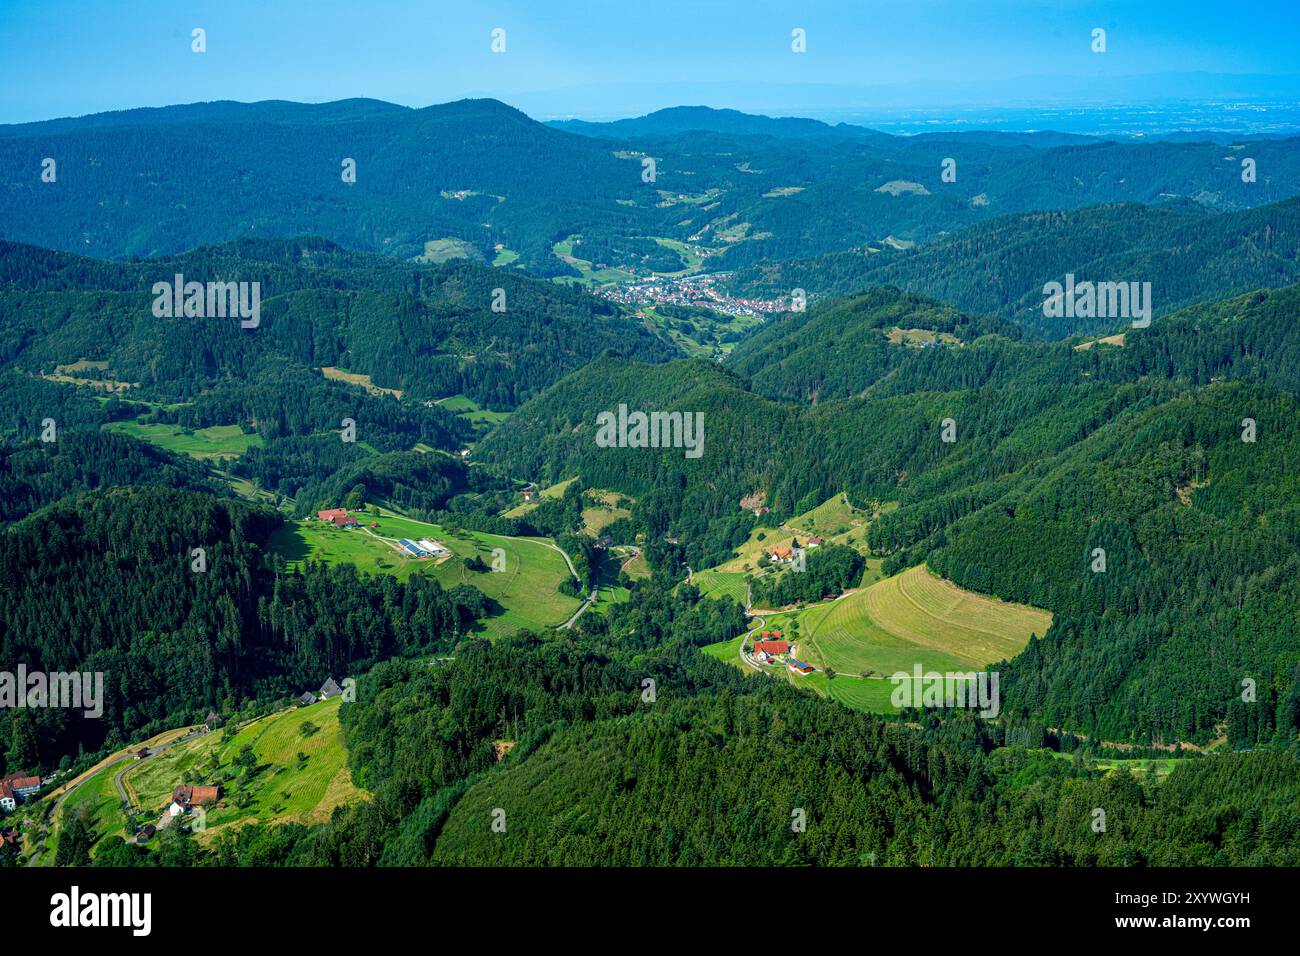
(1000, 267)
(429, 332)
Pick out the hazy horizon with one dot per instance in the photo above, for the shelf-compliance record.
(1233, 117)
(921, 63)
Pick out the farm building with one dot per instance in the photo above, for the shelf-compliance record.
(186, 796)
(433, 547)
(814, 542)
(767, 649)
(344, 521)
(782, 554)
(147, 831)
(329, 689)
(8, 801)
(799, 667)
(329, 514)
(411, 548)
(307, 698)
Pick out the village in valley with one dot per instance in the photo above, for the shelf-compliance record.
(706, 290)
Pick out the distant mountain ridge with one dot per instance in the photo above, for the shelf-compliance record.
(684, 119)
(479, 179)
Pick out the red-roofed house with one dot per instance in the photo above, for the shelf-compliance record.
(23, 786)
(205, 796)
(329, 514)
(766, 649)
(14, 788)
(187, 796)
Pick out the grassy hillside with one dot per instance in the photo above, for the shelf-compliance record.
(281, 787)
(728, 584)
(526, 591)
(916, 617)
(911, 618)
(215, 442)
(835, 521)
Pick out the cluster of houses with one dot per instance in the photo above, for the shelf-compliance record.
(771, 649)
(16, 787)
(185, 799)
(328, 690)
(706, 291)
(338, 517)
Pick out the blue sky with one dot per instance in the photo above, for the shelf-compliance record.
(603, 58)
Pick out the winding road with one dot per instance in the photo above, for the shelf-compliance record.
(117, 777)
(591, 598)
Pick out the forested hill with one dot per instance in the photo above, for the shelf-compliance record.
(477, 177)
(841, 346)
(1000, 267)
(34, 473)
(884, 342)
(105, 582)
(593, 764)
(1136, 450)
(429, 331)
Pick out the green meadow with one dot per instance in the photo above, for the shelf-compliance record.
(527, 590)
(217, 441)
(298, 771)
(721, 584)
(913, 618)
(916, 617)
(469, 409)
